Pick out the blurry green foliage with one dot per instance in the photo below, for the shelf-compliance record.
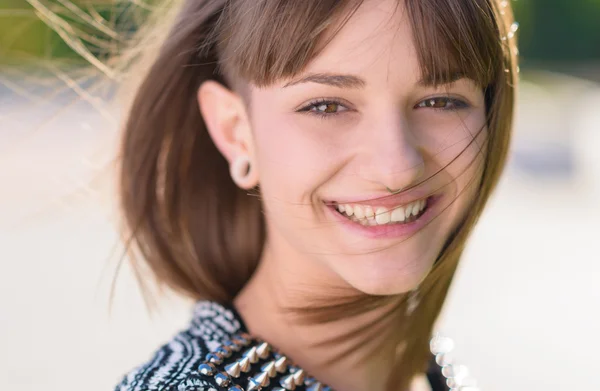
(558, 30)
(550, 30)
(33, 30)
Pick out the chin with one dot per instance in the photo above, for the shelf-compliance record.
(383, 282)
(388, 272)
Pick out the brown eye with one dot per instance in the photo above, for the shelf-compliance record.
(325, 108)
(442, 103)
(329, 108)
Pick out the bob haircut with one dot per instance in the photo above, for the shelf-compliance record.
(202, 236)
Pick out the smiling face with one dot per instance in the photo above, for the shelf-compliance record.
(365, 169)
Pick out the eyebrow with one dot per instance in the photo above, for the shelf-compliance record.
(335, 80)
(356, 82)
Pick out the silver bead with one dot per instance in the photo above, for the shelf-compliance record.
(207, 369)
(240, 341)
(232, 346)
(448, 371)
(269, 368)
(263, 350)
(214, 358)
(439, 344)
(235, 388)
(288, 382)
(443, 359)
(455, 371)
(251, 354)
(233, 369)
(222, 379)
(223, 350)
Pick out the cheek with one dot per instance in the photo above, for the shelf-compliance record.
(293, 161)
(456, 155)
(455, 146)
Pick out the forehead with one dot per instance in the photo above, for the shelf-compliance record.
(375, 43)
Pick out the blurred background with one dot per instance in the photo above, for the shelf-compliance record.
(524, 309)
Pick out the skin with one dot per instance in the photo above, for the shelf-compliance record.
(381, 138)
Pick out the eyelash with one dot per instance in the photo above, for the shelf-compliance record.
(456, 104)
(320, 102)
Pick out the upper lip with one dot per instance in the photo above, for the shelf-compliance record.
(385, 200)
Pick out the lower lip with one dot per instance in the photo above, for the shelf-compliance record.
(390, 230)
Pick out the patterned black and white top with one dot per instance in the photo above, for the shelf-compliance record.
(175, 366)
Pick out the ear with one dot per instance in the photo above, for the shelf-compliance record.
(225, 117)
(228, 125)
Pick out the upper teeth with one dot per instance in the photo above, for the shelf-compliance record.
(369, 215)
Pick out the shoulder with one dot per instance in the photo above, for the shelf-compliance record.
(173, 367)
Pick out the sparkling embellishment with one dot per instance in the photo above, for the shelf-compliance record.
(288, 382)
(214, 358)
(299, 377)
(257, 382)
(263, 350)
(456, 375)
(252, 385)
(224, 351)
(233, 369)
(269, 369)
(309, 380)
(252, 355)
(439, 344)
(244, 364)
(240, 341)
(315, 387)
(222, 379)
(207, 369)
(292, 376)
(232, 346)
(443, 359)
(281, 364)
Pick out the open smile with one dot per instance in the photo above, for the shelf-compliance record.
(381, 215)
(386, 218)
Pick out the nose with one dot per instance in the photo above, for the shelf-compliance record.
(394, 160)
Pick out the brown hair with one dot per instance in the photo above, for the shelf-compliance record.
(201, 235)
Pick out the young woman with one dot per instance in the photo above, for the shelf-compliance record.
(309, 172)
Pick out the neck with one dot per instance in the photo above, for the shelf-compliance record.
(349, 353)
